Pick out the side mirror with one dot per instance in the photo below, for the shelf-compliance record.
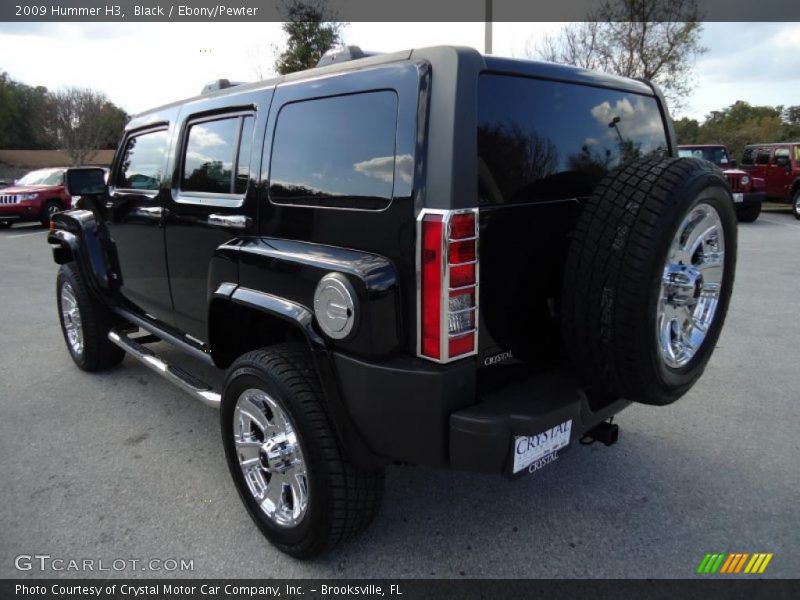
(86, 181)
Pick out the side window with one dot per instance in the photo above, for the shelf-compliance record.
(749, 156)
(143, 161)
(762, 157)
(797, 154)
(336, 152)
(213, 151)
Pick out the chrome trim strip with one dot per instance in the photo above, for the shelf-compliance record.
(172, 374)
(464, 264)
(462, 288)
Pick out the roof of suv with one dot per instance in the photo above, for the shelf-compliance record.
(445, 56)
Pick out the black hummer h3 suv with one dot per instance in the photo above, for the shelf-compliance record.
(429, 257)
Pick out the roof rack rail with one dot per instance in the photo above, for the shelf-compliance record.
(219, 84)
(343, 54)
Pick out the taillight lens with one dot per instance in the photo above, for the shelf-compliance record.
(457, 304)
(431, 272)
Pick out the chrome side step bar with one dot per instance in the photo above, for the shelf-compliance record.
(198, 389)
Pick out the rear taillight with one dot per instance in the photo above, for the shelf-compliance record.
(448, 304)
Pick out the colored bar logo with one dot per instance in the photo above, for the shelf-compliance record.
(733, 563)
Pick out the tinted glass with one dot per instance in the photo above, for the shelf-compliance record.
(762, 158)
(716, 154)
(540, 140)
(143, 161)
(243, 162)
(749, 156)
(336, 151)
(208, 164)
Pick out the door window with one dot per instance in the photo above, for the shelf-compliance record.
(762, 157)
(143, 161)
(215, 150)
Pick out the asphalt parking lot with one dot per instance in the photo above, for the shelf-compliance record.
(123, 465)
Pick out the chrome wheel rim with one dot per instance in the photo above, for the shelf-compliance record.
(71, 319)
(690, 286)
(797, 205)
(52, 210)
(271, 458)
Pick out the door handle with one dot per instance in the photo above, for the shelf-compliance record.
(151, 212)
(232, 221)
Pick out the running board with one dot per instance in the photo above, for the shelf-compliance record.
(198, 389)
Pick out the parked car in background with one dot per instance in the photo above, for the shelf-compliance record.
(748, 190)
(779, 165)
(35, 197)
(4, 183)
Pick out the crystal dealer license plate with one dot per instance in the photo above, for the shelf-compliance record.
(531, 448)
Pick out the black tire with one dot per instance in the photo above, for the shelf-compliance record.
(97, 352)
(50, 208)
(614, 270)
(796, 204)
(342, 498)
(749, 213)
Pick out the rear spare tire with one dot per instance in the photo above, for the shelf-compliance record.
(648, 278)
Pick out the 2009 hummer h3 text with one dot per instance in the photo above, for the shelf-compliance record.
(429, 257)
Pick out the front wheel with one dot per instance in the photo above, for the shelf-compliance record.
(284, 456)
(796, 204)
(85, 323)
(749, 213)
(49, 210)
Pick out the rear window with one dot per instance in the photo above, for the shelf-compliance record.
(749, 156)
(336, 152)
(143, 161)
(546, 140)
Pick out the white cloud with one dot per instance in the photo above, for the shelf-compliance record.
(383, 167)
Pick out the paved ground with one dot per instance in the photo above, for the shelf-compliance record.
(122, 465)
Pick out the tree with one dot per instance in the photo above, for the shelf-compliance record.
(309, 36)
(83, 121)
(22, 111)
(657, 40)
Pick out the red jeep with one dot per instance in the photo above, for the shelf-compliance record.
(779, 165)
(36, 197)
(748, 189)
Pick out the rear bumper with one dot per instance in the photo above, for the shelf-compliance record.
(411, 411)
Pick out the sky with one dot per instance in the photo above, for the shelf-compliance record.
(142, 65)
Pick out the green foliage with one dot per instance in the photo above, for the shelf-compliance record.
(22, 112)
(30, 118)
(309, 36)
(740, 124)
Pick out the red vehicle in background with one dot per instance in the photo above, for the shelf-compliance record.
(747, 188)
(36, 197)
(779, 165)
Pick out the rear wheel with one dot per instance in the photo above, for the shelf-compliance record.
(648, 279)
(749, 213)
(284, 456)
(796, 204)
(85, 323)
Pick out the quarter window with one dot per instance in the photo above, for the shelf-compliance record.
(762, 157)
(143, 161)
(337, 152)
(215, 150)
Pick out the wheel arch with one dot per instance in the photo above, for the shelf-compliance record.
(242, 319)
